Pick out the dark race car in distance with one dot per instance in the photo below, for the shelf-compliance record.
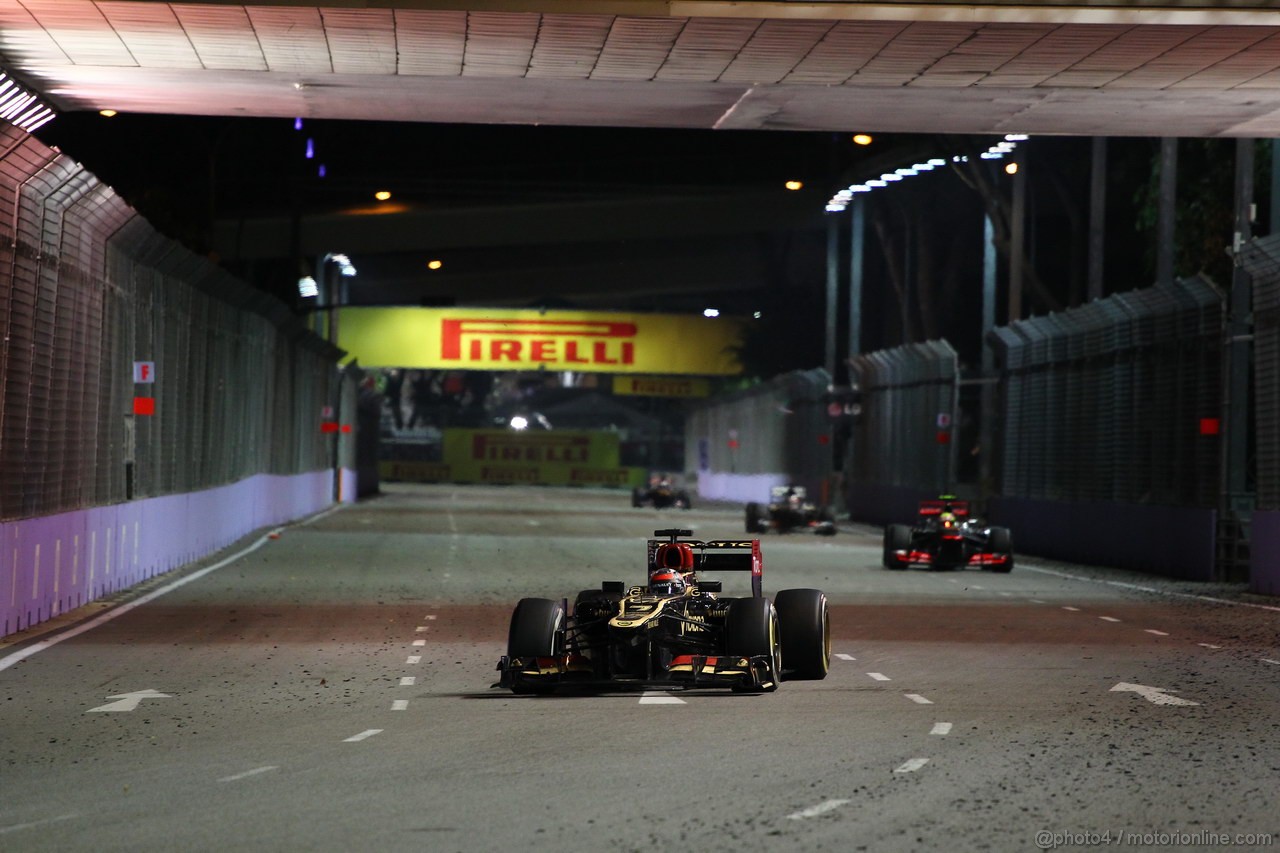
(789, 510)
(661, 493)
(676, 631)
(945, 536)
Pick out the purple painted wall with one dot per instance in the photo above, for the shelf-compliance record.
(1264, 552)
(56, 563)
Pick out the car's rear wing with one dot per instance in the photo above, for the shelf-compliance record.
(716, 555)
(935, 507)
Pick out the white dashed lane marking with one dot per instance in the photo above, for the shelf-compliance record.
(912, 765)
(408, 680)
(1269, 660)
(367, 733)
(419, 642)
(819, 809)
(1157, 633)
(1209, 645)
(400, 705)
(420, 629)
(879, 676)
(917, 698)
(655, 698)
(1072, 609)
(1037, 601)
(246, 774)
(1108, 619)
(413, 659)
(845, 657)
(941, 729)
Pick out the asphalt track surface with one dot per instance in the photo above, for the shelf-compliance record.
(330, 690)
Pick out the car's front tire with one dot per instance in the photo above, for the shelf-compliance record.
(897, 537)
(804, 625)
(751, 630)
(1000, 541)
(537, 631)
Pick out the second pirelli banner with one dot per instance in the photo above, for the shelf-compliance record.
(500, 339)
(506, 456)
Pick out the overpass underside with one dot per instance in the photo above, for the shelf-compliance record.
(1088, 69)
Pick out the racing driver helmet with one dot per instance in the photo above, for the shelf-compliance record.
(666, 582)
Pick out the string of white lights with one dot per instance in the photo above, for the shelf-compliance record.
(840, 201)
(20, 107)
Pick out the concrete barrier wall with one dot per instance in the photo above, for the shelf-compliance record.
(1264, 552)
(743, 488)
(53, 564)
(1174, 542)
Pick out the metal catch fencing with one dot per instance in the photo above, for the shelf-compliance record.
(1261, 259)
(904, 436)
(775, 433)
(88, 289)
(1114, 401)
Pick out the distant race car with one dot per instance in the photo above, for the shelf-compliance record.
(661, 493)
(944, 536)
(788, 510)
(674, 631)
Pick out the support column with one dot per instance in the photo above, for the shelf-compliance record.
(1097, 218)
(1165, 219)
(857, 235)
(987, 429)
(833, 278)
(1017, 234)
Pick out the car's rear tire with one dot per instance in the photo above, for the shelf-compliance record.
(753, 518)
(537, 631)
(897, 537)
(804, 626)
(751, 630)
(1000, 541)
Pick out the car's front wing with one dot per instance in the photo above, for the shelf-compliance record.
(686, 671)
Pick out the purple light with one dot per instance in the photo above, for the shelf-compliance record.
(297, 123)
(322, 170)
(311, 149)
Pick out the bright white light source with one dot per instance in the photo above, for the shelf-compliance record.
(862, 139)
(794, 185)
(1016, 137)
(711, 312)
(875, 183)
(519, 422)
(307, 287)
(1011, 168)
(756, 315)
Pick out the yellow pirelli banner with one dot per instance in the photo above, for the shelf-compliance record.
(517, 339)
(506, 456)
(661, 386)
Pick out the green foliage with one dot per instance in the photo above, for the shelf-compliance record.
(1204, 206)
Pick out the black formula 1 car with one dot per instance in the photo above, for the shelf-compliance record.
(661, 493)
(675, 632)
(788, 510)
(946, 537)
